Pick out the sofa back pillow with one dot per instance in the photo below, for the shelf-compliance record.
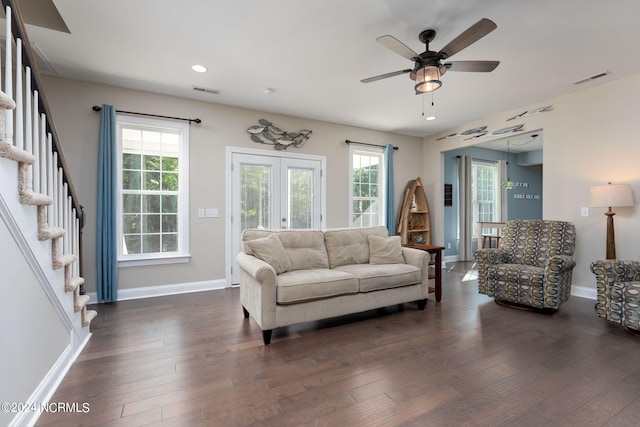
(346, 246)
(305, 248)
(385, 250)
(270, 250)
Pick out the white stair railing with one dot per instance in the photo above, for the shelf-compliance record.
(31, 139)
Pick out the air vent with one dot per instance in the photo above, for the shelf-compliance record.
(205, 90)
(595, 76)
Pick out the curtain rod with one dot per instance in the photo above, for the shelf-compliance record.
(97, 108)
(366, 143)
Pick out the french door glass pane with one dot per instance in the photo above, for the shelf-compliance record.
(255, 201)
(300, 196)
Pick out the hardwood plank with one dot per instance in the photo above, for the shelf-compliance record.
(192, 359)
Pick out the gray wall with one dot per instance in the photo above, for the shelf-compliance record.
(222, 126)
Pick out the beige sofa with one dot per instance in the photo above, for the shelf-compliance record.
(295, 276)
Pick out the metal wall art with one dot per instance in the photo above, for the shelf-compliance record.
(273, 135)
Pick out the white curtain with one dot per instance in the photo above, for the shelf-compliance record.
(503, 175)
(465, 217)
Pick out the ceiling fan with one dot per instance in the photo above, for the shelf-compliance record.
(428, 66)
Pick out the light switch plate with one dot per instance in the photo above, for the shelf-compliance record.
(200, 213)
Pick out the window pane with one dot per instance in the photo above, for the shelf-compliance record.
(130, 180)
(254, 205)
(169, 223)
(150, 243)
(131, 224)
(151, 204)
(131, 161)
(170, 181)
(132, 244)
(169, 204)
(170, 164)
(169, 242)
(131, 203)
(152, 181)
(300, 198)
(152, 163)
(151, 224)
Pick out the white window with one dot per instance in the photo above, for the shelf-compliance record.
(153, 199)
(485, 188)
(367, 204)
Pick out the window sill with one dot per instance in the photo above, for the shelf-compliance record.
(140, 262)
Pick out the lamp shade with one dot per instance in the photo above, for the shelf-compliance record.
(428, 79)
(611, 195)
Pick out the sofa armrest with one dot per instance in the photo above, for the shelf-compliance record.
(420, 259)
(258, 281)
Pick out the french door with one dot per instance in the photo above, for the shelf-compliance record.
(273, 191)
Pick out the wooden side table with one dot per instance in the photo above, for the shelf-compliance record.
(437, 250)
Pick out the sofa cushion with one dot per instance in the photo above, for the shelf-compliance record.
(306, 285)
(385, 250)
(305, 248)
(375, 277)
(270, 250)
(347, 246)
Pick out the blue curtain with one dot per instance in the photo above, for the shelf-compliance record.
(107, 244)
(388, 173)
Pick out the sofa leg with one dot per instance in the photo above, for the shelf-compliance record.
(266, 336)
(246, 313)
(422, 304)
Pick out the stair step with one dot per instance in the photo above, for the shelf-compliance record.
(63, 261)
(73, 283)
(50, 233)
(81, 301)
(10, 151)
(88, 316)
(35, 199)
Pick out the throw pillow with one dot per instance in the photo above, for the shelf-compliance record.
(270, 250)
(385, 250)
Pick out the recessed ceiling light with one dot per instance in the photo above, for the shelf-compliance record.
(431, 118)
(199, 68)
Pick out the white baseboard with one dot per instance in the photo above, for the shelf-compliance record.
(584, 292)
(162, 290)
(49, 384)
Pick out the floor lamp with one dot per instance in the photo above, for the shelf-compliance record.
(608, 196)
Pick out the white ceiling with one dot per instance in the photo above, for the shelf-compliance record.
(313, 54)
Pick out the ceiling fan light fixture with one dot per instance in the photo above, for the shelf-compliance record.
(428, 79)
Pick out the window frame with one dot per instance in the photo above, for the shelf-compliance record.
(183, 253)
(496, 192)
(368, 151)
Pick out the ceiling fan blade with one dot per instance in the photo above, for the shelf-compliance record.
(384, 76)
(468, 37)
(472, 66)
(397, 46)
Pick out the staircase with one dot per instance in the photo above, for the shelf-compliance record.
(43, 202)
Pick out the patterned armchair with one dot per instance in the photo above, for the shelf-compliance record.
(618, 292)
(533, 266)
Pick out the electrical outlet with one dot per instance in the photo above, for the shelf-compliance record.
(584, 211)
(449, 245)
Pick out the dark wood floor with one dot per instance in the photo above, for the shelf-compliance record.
(191, 360)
